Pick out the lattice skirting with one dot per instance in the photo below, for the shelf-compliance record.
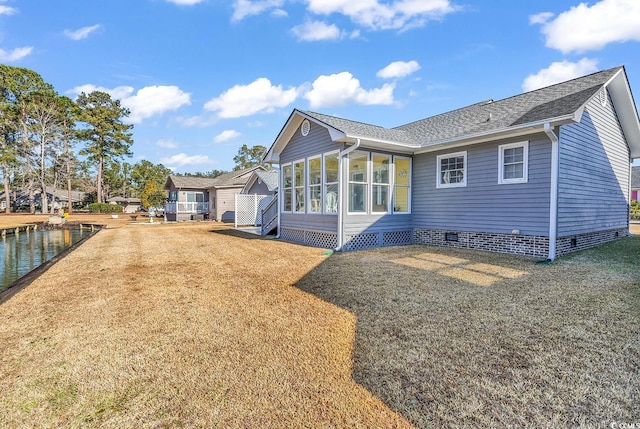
(374, 239)
(327, 240)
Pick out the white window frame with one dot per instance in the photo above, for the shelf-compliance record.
(525, 163)
(439, 183)
(393, 184)
(366, 182)
(318, 185)
(295, 186)
(284, 190)
(325, 183)
(372, 183)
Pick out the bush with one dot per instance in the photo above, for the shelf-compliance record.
(104, 208)
(635, 209)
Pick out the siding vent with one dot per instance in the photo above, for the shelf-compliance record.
(451, 236)
(603, 97)
(305, 127)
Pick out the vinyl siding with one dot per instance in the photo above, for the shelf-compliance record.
(259, 188)
(300, 147)
(484, 205)
(226, 204)
(594, 170)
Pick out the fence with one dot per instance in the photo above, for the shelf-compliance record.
(249, 208)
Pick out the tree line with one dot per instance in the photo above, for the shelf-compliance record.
(42, 133)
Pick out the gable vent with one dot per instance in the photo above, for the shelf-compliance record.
(306, 126)
(603, 97)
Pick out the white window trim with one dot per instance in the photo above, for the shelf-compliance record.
(288, 164)
(525, 163)
(462, 184)
(372, 183)
(367, 183)
(324, 184)
(309, 185)
(393, 201)
(294, 185)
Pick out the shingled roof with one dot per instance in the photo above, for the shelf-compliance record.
(234, 178)
(557, 104)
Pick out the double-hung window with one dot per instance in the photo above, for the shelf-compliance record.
(401, 184)
(358, 178)
(380, 183)
(298, 186)
(331, 183)
(513, 163)
(452, 170)
(315, 185)
(287, 188)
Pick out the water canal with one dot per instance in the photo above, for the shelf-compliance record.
(26, 250)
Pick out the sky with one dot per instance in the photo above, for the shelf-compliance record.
(203, 77)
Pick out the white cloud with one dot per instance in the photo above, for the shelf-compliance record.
(81, 33)
(398, 69)
(183, 159)
(244, 8)
(167, 144)
(312, 31)
(245, 100)
(342, 88)
(226, 135)
(372, 14)
(6, 10)
(559, 72)
(15, 55)
(147, 102)
(583, 27)
(185, 2)
(540, 18)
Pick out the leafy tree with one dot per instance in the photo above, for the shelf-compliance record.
(145, 171)
(249, 156)
(151, 195)
(68, 112)
(20, 90)
(107, 137)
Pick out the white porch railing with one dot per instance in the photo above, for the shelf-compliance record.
(186, 207)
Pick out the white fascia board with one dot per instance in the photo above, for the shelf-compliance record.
(625, 107)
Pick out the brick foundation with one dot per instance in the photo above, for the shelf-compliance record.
(575, 243)
(529, 245)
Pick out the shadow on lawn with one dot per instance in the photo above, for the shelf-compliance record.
(450, 337)
(239, 234)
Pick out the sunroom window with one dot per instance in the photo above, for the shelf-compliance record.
(298, 186)
(401, 189)
(380, 186)
(358, 177)
(452, 170)
(331, 182)
(287, 188)
(315, 185)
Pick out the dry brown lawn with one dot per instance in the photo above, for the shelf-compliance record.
(195, 325)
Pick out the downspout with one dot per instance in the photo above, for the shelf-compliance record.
(341, 155)
(278, 203)
(553, 203)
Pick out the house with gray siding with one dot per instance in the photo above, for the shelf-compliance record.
(543, 173)
(192, 198)
(635, 183)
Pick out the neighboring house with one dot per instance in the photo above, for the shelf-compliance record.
(56, 199)
(129, 205)
(262, 182)
(543, 173)
(193, 198)
(635, 183)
